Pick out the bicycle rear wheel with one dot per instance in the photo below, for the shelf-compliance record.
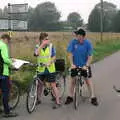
(61, 83)
(14, 96)
(76, 93)
(32, 96)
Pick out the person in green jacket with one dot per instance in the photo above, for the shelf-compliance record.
(5, 63)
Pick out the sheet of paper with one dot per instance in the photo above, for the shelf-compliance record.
(18, 63)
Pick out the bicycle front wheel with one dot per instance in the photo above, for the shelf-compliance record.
(76, 94)
(14, 96)
(32, 96)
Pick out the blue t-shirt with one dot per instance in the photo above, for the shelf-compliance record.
(80, 51)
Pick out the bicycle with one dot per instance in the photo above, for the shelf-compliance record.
(80, 90)
(32, 93)
(14, 95)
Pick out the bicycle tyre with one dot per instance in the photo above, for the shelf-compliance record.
(84, 92)
(76, 94)
(14, 96)
(32, 94)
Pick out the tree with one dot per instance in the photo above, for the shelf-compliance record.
(109, 11)
(45, 17)
(0, 13)
(75, 20)
(94, 21)
(116, 22)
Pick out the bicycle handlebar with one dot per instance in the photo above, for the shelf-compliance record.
(36, 65)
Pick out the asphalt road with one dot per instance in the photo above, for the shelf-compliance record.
(106, 73)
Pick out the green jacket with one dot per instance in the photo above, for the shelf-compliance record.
(5, 60)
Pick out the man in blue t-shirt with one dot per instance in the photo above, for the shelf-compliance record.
(80, 52)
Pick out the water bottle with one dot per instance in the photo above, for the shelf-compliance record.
(35, 50)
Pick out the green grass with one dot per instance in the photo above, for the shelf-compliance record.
(103, 49)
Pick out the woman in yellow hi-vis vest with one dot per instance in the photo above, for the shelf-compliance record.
(46, 54)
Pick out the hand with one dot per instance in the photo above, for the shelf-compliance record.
(44, 43)
(13, 59)
(85, 67)
(48, 64)
(73, 66)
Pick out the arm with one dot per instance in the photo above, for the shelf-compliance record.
(43, 44)
(89, 60)
(53, 59)
(70, 50)
(5, 55)
(36, 50)
(53, 56)
(90, 52)
(70, 56)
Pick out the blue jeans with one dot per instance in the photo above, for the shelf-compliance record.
(5, 87)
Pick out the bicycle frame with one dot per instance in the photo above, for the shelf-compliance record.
(79, 82)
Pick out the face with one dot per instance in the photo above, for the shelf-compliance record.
(46, 40)
(80, 38)
(6, 41)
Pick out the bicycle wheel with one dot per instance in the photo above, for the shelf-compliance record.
(76, 93)
(14, 96)
(32, 96)
(61, 83)
(84, 94)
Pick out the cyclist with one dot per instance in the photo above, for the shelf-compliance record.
(80, 53)
(46, 54)
(5, 63)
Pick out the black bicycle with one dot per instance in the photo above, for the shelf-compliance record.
(32, 93)
(80, 91)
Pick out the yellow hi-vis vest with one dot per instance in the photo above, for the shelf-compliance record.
(45, 57)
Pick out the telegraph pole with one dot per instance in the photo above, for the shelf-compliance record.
(101, 21)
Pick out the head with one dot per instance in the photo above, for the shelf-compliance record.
(80, 34)
(43, 36)
(6, 38)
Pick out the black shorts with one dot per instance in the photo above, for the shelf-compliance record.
(84, 73)
(51, 77)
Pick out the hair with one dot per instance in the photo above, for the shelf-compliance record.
(5, 36)
(80, 32)
(42, 36)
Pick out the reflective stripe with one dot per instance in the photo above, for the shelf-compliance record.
(50, 48)
(43, 56)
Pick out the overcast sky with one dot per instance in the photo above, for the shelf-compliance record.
(83, 7)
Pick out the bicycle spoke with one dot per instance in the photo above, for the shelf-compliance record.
(32, 97)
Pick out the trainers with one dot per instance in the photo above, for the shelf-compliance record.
(56, 106)
(1, 110)
(11, 114)
(53, 98)
(46, 92)
(69, 100)
(94, 101)
(38, 102)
